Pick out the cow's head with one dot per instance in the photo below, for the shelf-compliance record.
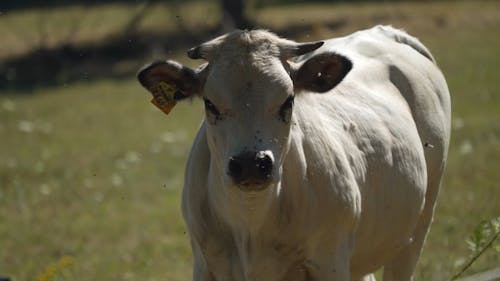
(248, 87)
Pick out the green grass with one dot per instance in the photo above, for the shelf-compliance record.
(92, 171)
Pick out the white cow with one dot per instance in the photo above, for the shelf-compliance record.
(322, 168)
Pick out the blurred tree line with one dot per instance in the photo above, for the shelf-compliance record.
(233, 11)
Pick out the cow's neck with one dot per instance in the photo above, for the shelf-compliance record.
(248, 217)
(260, 218)
(247, 212)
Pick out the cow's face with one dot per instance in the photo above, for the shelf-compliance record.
(248, 88)
(248, 107)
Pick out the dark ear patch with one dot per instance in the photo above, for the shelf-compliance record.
(144, 74)
(322, 72)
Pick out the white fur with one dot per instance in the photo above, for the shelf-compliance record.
(356, 186)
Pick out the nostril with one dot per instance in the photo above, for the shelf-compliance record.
(235, 168)
(264, 164)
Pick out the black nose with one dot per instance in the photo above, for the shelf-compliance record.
(250, 168)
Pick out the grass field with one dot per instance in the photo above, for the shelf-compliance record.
(91, 173)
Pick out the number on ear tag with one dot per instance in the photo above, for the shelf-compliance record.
(163, 96)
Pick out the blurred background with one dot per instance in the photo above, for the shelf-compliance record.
(91, 173)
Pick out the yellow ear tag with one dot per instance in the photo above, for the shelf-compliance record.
(163, 96)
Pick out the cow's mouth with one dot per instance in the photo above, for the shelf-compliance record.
(253, 185)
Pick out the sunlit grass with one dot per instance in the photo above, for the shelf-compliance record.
(91, 170)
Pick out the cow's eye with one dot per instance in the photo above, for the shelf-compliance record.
(286, 109)
(210, 107)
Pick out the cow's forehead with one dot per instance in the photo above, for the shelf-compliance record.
(238, 80)
(246, 53)
(247, 64)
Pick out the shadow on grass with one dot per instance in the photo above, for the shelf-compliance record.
(116, 58)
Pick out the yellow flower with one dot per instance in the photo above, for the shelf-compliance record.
(48, 273)
(66, 261)
(51, 270)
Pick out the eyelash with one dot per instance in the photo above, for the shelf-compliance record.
(210, 107)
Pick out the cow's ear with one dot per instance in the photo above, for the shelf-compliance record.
(181, 80)
(321, 72)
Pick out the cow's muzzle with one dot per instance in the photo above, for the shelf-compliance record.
(251, 170)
